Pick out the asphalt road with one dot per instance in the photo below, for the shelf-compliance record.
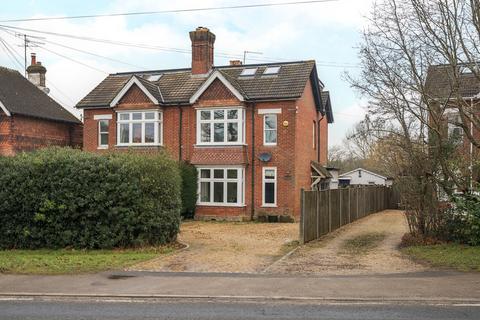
(225, 310)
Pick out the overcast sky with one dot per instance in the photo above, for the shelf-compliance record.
(326, 32)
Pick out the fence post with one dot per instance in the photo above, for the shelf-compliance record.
(329, 210)
(317, 214)
(349, 207)
(302, 216)
(340, 194)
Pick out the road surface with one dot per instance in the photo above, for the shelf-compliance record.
(36, 308)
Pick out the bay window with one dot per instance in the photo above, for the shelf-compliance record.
(220, 186)
(220, 126)
(139, 128)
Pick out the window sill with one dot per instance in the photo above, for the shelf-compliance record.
(219, 145)
(269, 144)
(102, 148)
(269, 206)
(232, 205)
(137, 145)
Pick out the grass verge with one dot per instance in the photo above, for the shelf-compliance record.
(460, 257)
(363, 243)
(74, 261)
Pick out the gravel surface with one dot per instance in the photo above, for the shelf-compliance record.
(226, 247)
(327, 255)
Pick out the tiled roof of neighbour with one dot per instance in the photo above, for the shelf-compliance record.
(327, 105)
(178, 86)
(440, 83)
(20, 96)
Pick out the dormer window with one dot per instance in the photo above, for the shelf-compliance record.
(271, 71)
(249, 72)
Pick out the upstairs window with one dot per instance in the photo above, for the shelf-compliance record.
(455, 131)
(220, 126)
(139, 128)
(270, 129)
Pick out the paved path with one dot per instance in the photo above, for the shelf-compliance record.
(428, 286)
(33, 309)
(327, 255)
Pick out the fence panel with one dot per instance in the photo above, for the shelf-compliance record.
(327, 210)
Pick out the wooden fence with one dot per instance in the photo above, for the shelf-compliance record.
(327, 210)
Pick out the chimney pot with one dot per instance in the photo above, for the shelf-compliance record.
(202, 50)
(34, 59)
(235, 62)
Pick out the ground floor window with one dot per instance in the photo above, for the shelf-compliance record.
(269, 187)
(221, 186)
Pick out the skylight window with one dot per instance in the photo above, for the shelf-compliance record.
(271, 70)
(248, 72)
(154, 77)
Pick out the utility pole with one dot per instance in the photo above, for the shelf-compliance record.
(27, 42)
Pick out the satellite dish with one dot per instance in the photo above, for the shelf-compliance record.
(265, 156)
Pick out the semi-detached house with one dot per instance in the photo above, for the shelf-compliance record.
(256, 133)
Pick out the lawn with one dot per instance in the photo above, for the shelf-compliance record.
(74, 261)
(460, 257)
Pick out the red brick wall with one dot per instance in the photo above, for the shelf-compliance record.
(304, 150)
(20, 133)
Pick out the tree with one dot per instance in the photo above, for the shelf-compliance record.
(402, 41)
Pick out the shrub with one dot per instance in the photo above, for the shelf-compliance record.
(464, 219)
(67, 198)
(189, 189)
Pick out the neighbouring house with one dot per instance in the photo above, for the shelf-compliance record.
(448, 91)
(363, 177)
(252, 131)
(29, 118)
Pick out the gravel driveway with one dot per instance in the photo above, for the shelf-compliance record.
(328, 255)
(226, 247)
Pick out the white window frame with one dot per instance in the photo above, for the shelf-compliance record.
(265, 143)
(158, 128)
(240, 121)
(275, 181)
(100, 133)
(452, 126)
(240, 180)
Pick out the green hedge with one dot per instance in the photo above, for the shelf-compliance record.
(56, 198)
(189, 189)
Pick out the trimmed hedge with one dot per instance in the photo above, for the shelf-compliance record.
(189, 189)
(60, 197)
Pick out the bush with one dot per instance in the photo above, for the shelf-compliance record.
(189, 189)
(56, 198)
(464, 219)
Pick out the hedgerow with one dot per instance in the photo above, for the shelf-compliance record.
(59, 197)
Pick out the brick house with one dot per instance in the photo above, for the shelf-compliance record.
(252, 131)
(29, 118)
(448, 91)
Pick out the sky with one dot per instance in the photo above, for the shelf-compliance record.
(328, 32)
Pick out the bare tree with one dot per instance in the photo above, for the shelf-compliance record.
(403, 40)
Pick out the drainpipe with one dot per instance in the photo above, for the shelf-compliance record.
(471, 148)
(252, 213)
(180, 134)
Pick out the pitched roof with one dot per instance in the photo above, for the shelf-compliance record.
(177, 86)
(346, 174)
(440, 83)
(19, 96)
(327, 105)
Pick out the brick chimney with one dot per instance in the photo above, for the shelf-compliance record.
(202, 50)
(235, 62)
(36, 73)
